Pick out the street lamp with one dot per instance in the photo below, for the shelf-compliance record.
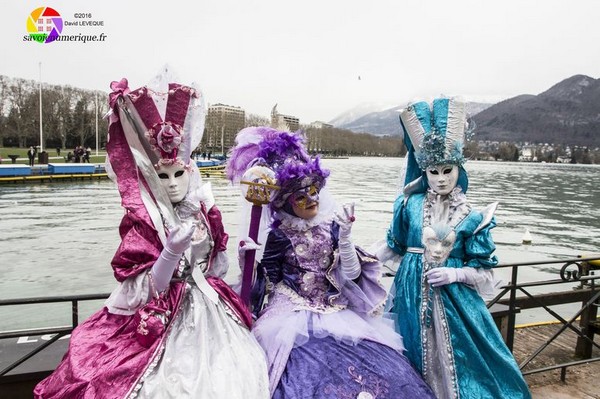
(96, 103)
(41, 138)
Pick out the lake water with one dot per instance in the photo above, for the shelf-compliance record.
(59, 238)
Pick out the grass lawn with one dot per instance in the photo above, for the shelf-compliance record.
(52, 157)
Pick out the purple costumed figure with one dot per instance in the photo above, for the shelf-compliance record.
(322, 328)
(172, 328)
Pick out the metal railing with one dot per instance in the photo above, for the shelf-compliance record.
(58, 331)
(571, 271)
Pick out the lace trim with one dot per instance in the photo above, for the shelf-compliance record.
(157, 355)
(186, 209)
(149, 370)
(232, 313)
(299, 224)
(458, 207)
(302, 304)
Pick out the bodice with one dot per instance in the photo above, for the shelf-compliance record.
(198, 253)
(307, 261)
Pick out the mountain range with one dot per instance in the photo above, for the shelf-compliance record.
(566, 113)
(385, 122)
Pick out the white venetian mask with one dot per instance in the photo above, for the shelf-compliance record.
(442, 178)
(175, 179)
(438, 243)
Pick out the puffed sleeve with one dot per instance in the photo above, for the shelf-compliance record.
(272, 260)
(129, 295)
(219, 236)
(480, 246)
(140, 247)
(270, 268)
(398, 231)
(220, 260)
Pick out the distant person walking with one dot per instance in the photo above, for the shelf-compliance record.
(88, 153)
(31, 156)
(78, 152)
(58, 151)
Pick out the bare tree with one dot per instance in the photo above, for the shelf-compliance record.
(257, 120)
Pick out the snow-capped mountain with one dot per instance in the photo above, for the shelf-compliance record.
(359, 111)
(386, 122)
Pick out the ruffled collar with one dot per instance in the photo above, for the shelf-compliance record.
(298, 224)
(185, 209)
(456, 195)
(448, 209)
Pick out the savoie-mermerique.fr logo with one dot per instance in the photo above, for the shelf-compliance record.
(44, 25)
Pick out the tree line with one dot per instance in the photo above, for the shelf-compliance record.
(69, 120)
(341, 142)
(68, 115)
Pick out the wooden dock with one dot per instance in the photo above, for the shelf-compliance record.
(581, 381)
(208, 171)
(52, 178)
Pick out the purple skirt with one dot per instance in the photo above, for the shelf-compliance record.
(324, 368)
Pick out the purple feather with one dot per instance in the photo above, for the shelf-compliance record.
(246, 150)
(283, 152)
(265, 143)
(294, 175)
(284, 146)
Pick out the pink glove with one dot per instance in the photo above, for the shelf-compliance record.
(441, 276)
(178, 241)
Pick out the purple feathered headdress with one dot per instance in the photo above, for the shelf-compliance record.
(294, 175)
(283, 152)
(264, 145)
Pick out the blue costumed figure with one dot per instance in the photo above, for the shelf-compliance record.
(446, 248)
(322, 329)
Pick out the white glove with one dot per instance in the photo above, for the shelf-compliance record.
(247, 244)
(345, 221)
(348, 257)
(384, 253)
(178, 241)
(441, 276)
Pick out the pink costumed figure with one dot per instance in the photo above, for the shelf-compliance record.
(172, 328)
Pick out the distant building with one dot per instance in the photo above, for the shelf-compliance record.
(321, 125)
(528, 154)
(223, 122)
(284, 122)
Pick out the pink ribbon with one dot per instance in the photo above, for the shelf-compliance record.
(119, 89)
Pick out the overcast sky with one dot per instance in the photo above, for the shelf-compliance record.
(316, 58)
